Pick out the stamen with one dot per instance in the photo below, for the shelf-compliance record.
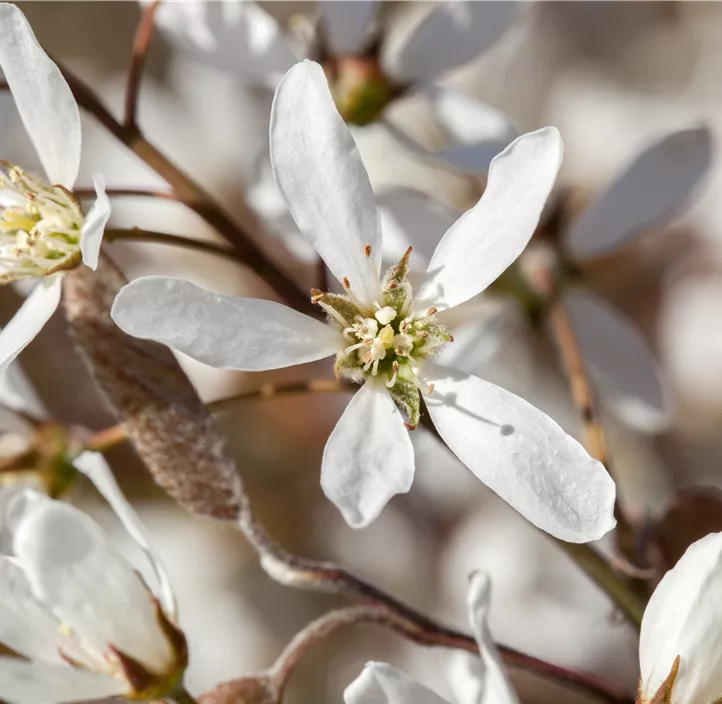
(333, 313)
(367, 250)
(353, 348)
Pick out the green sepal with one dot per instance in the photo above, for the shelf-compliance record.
(347, 367)
(407, 397)
(340, 303)
(393, 284)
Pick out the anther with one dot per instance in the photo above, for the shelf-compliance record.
(346, 283)
(431, 388)
(367, 250)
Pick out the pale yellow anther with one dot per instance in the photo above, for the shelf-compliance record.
(386, 336)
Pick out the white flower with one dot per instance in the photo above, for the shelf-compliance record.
(43, 231)
(511, 446)
(80, 615)
(414, 53)
(645, 195)
(474, 681)
(684, 620)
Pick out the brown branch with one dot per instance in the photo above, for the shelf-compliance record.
(141, 46)
(242, 236)
(132, 192)
(136, 234)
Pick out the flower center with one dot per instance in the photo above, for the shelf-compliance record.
(389, 341)
(40, 227)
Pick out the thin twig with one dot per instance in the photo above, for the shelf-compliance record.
(242, 236)
(131, 192)
(137, 235)
(141, 46)
(327, 624)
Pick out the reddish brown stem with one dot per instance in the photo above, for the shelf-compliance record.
(141, 47)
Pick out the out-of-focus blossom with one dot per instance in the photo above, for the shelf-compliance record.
(645, 195)
(383, 332)
(43, 231)
(474, 681)
(81, 620)
(679, 654)
(369, 65)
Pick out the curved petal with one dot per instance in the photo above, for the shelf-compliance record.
(347, 24)
(521, 454)
(323, 180)
(44, 99)
(683, 618)
(497, 687)
(466, 678)
(490, 236)
(238, 36)
(30, 319)
(412, 218)
(94, 466)
(91, 236)
(368, 457)
(468, 158)
(249, 334)
(380, 683)
(464, 119)
(26, 625)
(620, 362)
(450, 35)
(75, 570)
(23, 682)
(649, 192)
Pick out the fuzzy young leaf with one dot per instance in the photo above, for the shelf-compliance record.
(146, 388)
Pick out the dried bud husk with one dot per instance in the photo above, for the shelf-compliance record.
(664, 694)
(150, 394)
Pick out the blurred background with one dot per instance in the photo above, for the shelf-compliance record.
(613, 77)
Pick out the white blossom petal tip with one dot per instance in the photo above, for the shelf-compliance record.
(521, 454)
(248, 334)
(30, 319)
(323, 180)
(380, 683)
(91, 234)
(490, 236)
(649, 192)
(448, 36)
(683, 619)
(368, 457)
(43, 97)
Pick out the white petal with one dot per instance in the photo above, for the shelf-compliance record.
(222, 331)
(469, 158)
(497, 687)
(323, 180)
(647, 194)
(91, 235)
(450, 35)
(235, 36)
(490, 236)
(26, 625)
(75, 570)
(24, 682)
(17, 393)
(620, 362)
(347, 23)
(30, 319)
(412, 218)
(521, 454)
(369, 456)
(43, 97)
(94, 466)
(380, 683)
(466, 678)
(684, 618)
(465, 119)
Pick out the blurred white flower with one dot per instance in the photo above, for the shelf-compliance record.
(645, 195)
(474, 681)
(366, 73)
(679, 654)
(383, 333)
(82, 620)
(43, 231)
